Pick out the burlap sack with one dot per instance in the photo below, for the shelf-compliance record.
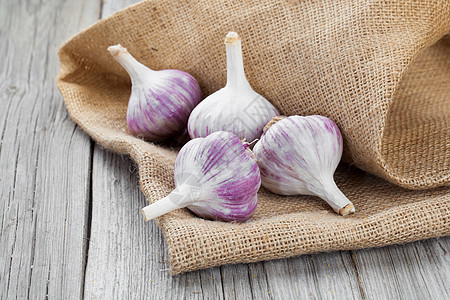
(379, 69)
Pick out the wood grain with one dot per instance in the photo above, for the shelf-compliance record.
(53, 211)
(419, 270)
(44, 157)
(320, 276)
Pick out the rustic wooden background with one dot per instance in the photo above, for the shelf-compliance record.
(70, 211)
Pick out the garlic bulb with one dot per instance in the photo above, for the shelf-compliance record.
(236, 107)
(298, 156)
(216, 177)
(160, 101)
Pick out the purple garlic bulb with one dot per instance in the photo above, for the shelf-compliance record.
(236, 107)
(160, 101)
(299, 155)
(216, 177)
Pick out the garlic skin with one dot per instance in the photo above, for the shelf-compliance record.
(236, 107)
(216, 177)
(299, 155)
(160, 101)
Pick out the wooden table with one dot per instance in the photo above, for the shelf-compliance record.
(70, 210)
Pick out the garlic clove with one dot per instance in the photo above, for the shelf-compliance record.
(216, 178)
(236, 107)
(299, 155)
(160, 101)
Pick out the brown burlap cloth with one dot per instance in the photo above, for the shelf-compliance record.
(379, 69)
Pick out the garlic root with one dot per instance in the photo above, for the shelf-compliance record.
(348, 209)
(335, 198)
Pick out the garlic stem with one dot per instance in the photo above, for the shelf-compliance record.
(235, 64)
(129, 63)
(159, 208)
(336, 199)
(180, 197)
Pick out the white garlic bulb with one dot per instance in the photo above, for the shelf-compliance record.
(298, 156)
(216, 177)
(236, 107)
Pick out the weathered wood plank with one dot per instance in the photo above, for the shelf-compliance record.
(113, 6)
(236, 282)
(419, 270)
(44, 191)
(44, 157)
(320, 276)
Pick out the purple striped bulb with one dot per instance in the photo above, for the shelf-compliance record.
(160, 101)
(298, 156)
(216, 177)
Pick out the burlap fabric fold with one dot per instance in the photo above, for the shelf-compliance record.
(379, 69)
